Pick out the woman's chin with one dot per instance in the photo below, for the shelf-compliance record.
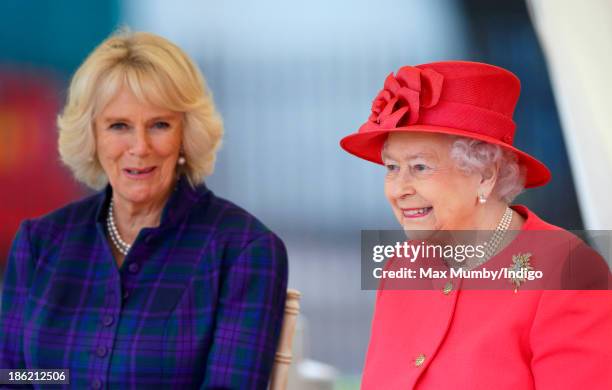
(424, 223)
(137, 195)
(419, 234)
(419, 228)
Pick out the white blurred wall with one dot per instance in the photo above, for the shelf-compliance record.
(576, 37)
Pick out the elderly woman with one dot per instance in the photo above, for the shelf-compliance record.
(154, 281)
(444, 132)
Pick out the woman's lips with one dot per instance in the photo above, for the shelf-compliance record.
(416, 212)
(139, 173)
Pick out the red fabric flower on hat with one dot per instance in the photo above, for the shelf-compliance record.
(398, 103)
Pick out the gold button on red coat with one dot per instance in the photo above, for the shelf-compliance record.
(448, 287)
(418, 362)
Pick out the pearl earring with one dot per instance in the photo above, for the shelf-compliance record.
(181, 160)
(482, 199)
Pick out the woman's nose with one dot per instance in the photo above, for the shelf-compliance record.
(141, 143)
(404, 185)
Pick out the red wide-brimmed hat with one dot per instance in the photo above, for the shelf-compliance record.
(468, 99)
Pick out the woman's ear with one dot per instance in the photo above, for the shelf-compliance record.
(488, 179)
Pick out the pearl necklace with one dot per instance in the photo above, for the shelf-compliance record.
(499, 234)
(122, 246)
(492, 245)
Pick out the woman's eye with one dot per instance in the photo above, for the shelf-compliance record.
(161, 125)
(118, 126)
(391, 167)
(420, 168)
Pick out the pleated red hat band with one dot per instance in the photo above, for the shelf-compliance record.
(469, 99)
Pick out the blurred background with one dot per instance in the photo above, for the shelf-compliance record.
(290, 79)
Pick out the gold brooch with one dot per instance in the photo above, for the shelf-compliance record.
(519, 269)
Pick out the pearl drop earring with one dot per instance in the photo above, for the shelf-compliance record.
(181, 160)
(482, 199)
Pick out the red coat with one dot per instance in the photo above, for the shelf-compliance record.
(470, 339)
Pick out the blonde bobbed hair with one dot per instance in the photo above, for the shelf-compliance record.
(157, 72)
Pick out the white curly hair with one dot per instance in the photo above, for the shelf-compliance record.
(475, 156)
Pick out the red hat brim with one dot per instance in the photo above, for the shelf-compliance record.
(368, 145)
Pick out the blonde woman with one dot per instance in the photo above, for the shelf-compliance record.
(153, 281)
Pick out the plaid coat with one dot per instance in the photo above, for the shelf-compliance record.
(198, 301)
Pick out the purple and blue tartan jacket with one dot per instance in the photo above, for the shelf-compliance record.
(197, 303)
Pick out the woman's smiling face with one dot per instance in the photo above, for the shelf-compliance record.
(423, 185)
(138, 146)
